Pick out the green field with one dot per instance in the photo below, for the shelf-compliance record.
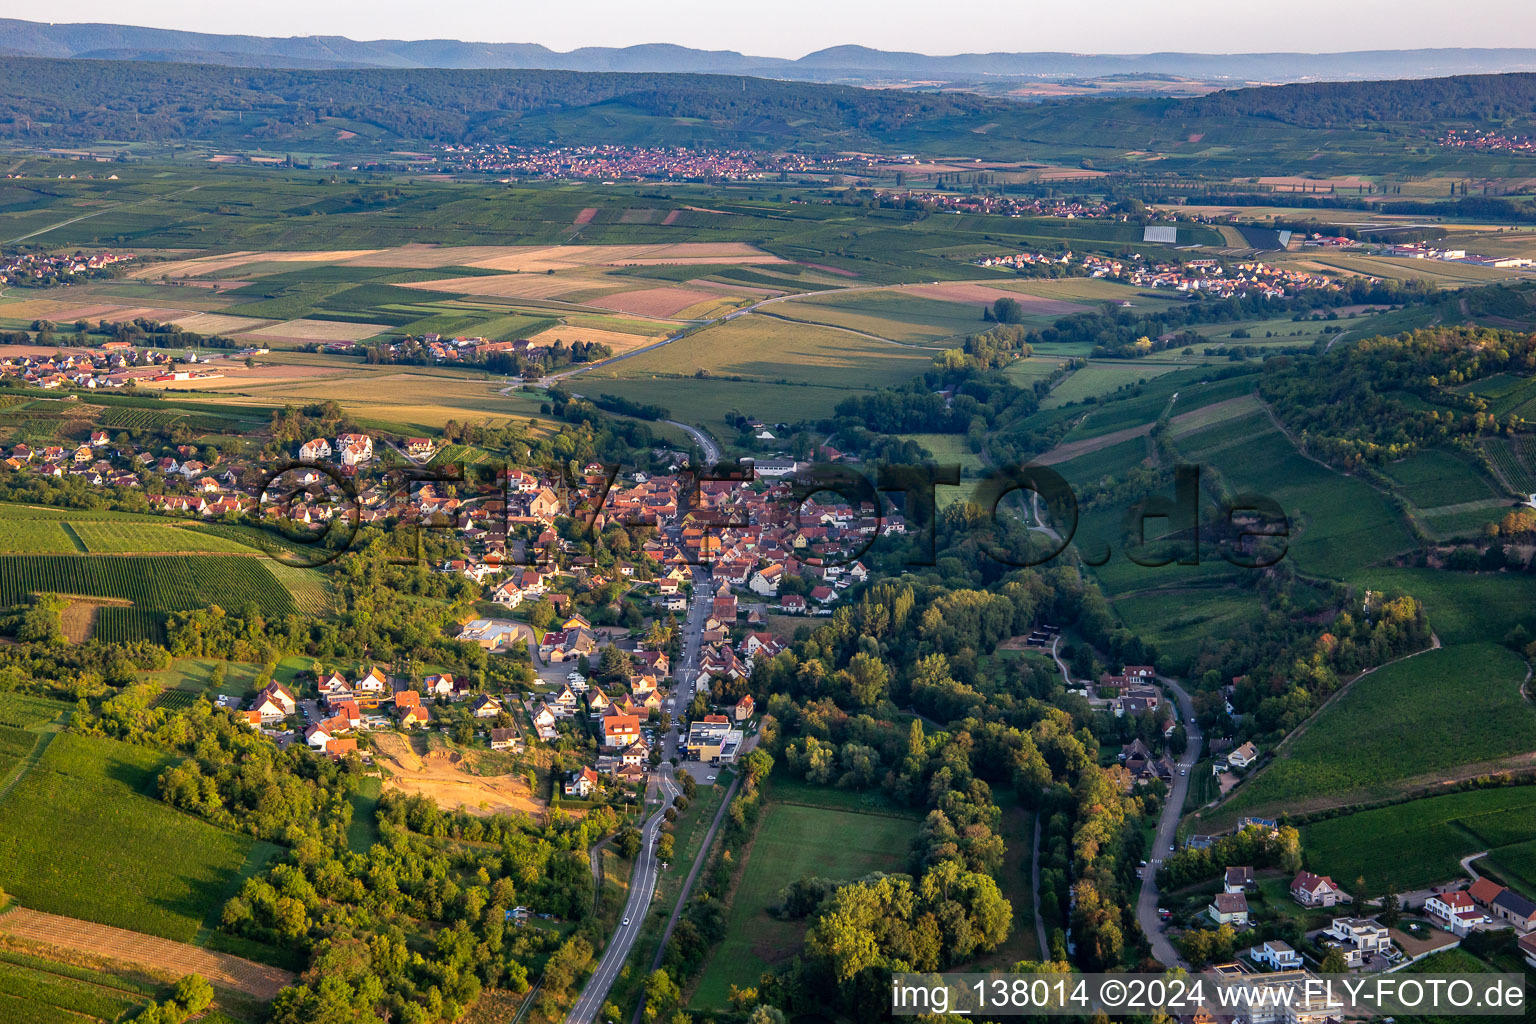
(794, 841)
(153, 583)
(910, 319)
(1418, 844)
(1431, 479)
(81, 837)
(767, 349)
(1430, 713)
(1098, 379)
(37, 991)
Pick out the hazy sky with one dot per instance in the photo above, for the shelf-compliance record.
(791, 28)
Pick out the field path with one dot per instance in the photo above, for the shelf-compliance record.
(1226, 409)
(1034, 881)
(158, 954)
(97, 213)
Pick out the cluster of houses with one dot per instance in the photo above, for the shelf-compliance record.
(373, 701)
(114, 364)
(1459, 911)
(186, 483)
(38, 268)
(1208, 276)
(1483, 904)
(632, 163)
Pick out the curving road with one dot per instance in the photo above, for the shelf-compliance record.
(1167, 829)
(703, 440)
(642, 887)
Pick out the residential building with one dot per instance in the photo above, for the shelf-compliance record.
(1276, 955)
(503, 739)
(1357, 938)
(1243, 756)
(1455, 912)
(1527, 948)
(1315, 890)
(1229, 908)
(582, 784)
(1238, 880)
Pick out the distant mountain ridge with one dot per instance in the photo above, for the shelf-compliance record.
(845, 64)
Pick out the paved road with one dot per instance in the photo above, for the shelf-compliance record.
(1167, 828)
(703, 440)
(682, 895)
(642, 886)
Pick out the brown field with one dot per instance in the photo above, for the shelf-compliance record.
(619, 341)
(538, 259)
(439, 776)
(219, 323)
(148, 951)
(585, 216)
(638, 216)
(668, 302)
(520, 286)
(1343, 181)
(36, 309)
(671, 217)
(79, 616)
(985, 294)
(202, 265)
(317, 330)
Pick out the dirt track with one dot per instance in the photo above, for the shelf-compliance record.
(157, 954)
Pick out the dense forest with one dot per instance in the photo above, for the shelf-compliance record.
(1334, 104)
(57, 100)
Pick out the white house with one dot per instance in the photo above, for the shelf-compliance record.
(1229, 908)
(1357, 938)
(1243, 756)
(1276, 955)
(1455, 912)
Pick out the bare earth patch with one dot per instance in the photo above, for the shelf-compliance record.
(655, 301)
(440, 776)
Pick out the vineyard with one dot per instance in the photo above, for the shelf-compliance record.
(34, 989)
(116, 624)
(1514, 458)
(111, 538)
(174, 700)
(79, 837)
(153, 584)
(22, 711)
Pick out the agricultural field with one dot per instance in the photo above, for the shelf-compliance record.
(1426, 715)
(1098, 379)
(81, 837)
(35, 991)
(1512, 458)
(1420, 843)
(794, 841)
(895, 314)
(152, 583)
(1431, 479)
(24, 711)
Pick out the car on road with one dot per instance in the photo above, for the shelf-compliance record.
(709, 778)
(1173, 849)
(626, 922)
(1183, 771)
